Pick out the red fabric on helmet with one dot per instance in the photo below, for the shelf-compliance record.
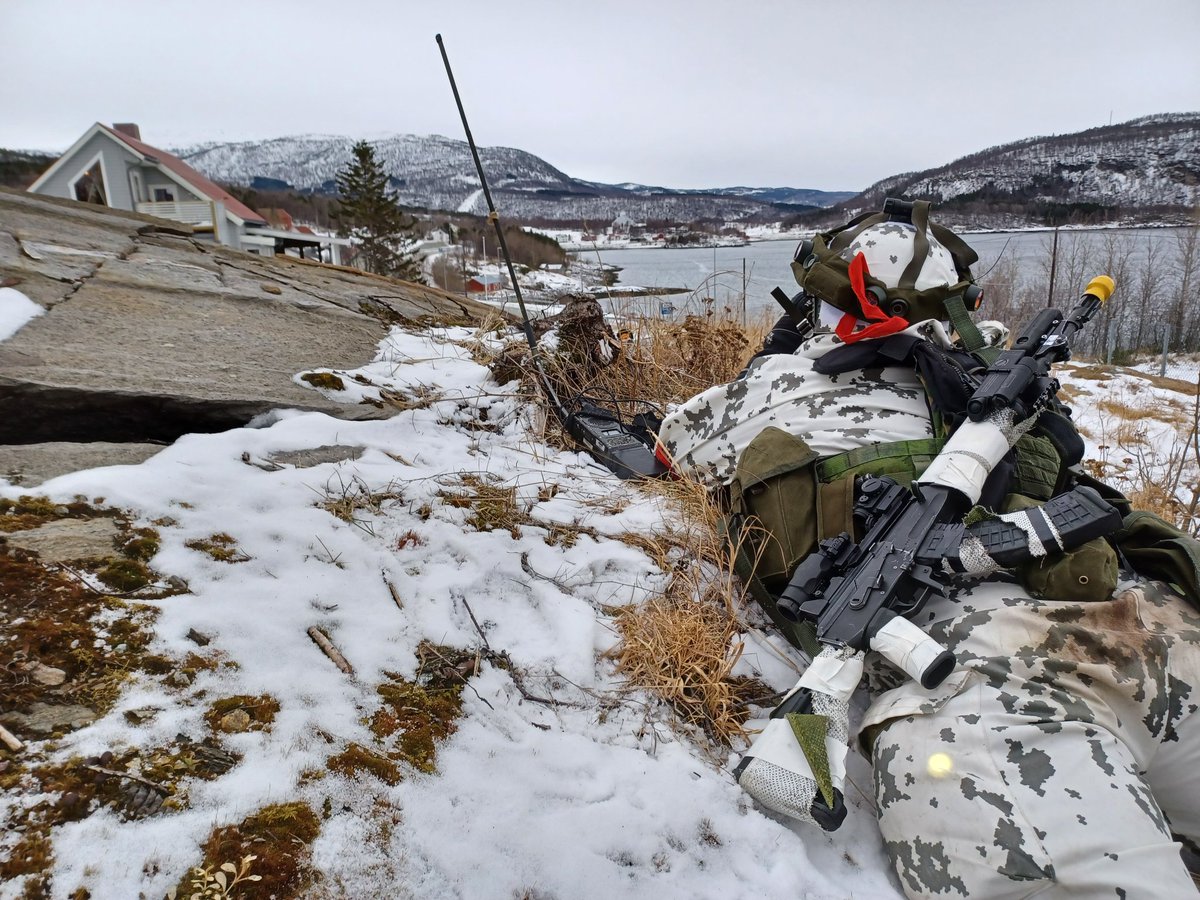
(881, 323)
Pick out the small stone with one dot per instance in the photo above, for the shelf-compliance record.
(138, 716)
(43, 718)
(234, 722)
(42, 674)
(179, 679)
(198, 637)
(177, 583)
(272, 289)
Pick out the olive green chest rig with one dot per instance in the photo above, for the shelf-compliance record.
(785, 498)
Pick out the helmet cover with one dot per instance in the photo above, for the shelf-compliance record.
(888, 248)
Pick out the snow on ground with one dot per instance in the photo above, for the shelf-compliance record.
(592, 795)
(15, 310)
(1139, 431)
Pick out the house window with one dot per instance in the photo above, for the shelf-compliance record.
(164, 195)
(89, 187)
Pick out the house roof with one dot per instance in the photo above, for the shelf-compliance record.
(189, 175)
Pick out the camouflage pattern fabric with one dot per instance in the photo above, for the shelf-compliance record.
(833, 413)
(1062, 757)
(1058, 760)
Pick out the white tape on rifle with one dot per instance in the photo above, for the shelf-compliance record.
(905, 645)
(834, 674)
(968, 458)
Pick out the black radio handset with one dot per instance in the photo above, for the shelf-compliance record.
(615, 445)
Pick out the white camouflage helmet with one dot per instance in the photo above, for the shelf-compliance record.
(888, 247)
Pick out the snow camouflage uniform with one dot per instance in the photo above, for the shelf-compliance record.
(1061, 756)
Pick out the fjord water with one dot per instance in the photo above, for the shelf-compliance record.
(717, 273)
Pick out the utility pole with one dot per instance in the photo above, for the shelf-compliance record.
(743, 292)
(1053, 266)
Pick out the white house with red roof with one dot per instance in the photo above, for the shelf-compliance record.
(111, 166)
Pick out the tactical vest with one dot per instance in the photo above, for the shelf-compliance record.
(785, 497)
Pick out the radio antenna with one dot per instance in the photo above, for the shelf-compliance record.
(620, 448)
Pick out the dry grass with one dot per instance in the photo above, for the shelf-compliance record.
(1160, 476)
(661, 362)
(671, 361)
(492, 506)
(683, 645)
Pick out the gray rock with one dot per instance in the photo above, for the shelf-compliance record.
(29, 465)
(43, 718)
(150, 335)
(67, 539)
(329, 453)
(43, 674)
(234, 722)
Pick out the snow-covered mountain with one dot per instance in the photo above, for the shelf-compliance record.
(436, 172)
(1147, 166)
(1151, 164)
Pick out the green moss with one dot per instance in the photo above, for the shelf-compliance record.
(27, 505)
(156, 665)
(278, 839)
(125, 575)
(357, 758)
(141, 544)
(221, 547)
(326, 380)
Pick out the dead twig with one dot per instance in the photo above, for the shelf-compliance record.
(461, 677)
(79, 576)
(475, 622)
(126, 775)
(503, 660)
(395, 594)
(532, 573)
(321, 640)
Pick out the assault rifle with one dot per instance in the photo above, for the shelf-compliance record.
(860, 594)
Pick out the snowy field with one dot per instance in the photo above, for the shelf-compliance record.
(557, 781)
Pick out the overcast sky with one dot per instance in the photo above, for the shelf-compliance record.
(683, 94)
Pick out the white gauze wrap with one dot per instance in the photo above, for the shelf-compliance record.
(905, 645)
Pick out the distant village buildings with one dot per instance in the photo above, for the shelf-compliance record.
(111, 166)
(485, 284)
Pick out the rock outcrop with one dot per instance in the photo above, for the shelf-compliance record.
(151, 333)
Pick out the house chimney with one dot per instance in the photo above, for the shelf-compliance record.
(129, 129)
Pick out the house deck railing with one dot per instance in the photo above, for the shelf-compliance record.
(193, 212)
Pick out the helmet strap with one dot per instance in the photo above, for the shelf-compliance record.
(968, 333)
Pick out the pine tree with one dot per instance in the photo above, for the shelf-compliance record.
(367, 210)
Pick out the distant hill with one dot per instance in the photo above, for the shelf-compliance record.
(1147, 168)
(20, 168)
(435, 172)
